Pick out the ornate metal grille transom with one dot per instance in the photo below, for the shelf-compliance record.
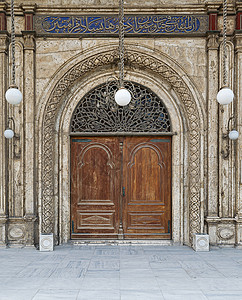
(98, 112)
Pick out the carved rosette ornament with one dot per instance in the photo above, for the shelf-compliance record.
(138, 60)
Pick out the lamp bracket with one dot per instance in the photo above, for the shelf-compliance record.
(16, 139)
(225, 136)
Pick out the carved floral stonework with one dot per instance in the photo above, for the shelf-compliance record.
(226, 233)
(29, 42)
(4, 40)
(16, 232)
(212, 42)
(138, 60)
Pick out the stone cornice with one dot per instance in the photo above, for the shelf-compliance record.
(213, 7)
(28, 9)
(3, 7)
(216, 220)
(239, 6)
(129, 9)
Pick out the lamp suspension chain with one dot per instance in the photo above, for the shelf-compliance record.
(13, 43)
(122, 96)
(225, 72)
(121, 42)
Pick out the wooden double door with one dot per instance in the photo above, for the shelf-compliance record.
(121, 187)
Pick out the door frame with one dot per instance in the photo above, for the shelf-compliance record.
(58, 195)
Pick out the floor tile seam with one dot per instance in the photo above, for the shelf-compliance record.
(35, 294)
(213, 269)
(41, 277)
(119, 272)
(217, 270)
(192, 291)
(156, 280)
(88, 266)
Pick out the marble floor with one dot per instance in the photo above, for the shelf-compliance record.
(126, 272)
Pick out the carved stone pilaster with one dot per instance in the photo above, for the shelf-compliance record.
(238, 42)
(212, 128)
(3, 235)
(238, 16)
(4, 40)
(222, 231)
(29, 129)
(213, 9)
(31, 230)
(3, 21)
(238, 143)
(29, 11)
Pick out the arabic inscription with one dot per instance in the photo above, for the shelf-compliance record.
(133, 24)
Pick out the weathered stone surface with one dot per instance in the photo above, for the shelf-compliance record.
(55, 72)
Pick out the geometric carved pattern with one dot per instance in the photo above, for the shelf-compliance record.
(98, 112)
(95, 220)
(143, 61)
(145, 219)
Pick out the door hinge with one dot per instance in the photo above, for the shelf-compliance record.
(123, 191)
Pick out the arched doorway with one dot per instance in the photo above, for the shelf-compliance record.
(121, 168)
(185, 105)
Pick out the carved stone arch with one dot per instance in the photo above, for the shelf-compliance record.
(139, 57)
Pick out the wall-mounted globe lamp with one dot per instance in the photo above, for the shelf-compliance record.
(9, 133)
(225, 96)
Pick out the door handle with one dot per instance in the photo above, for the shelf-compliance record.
(123, 191)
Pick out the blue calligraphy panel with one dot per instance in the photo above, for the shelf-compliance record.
(133, 24)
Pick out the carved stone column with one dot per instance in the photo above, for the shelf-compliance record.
(3, 148)
(238, 143)
(29, 139)
(212, 134)
(3, 21)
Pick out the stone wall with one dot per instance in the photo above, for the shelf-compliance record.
(55, 70)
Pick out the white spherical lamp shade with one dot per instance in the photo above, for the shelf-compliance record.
(122, 97)
(225, 96)
(13, 96)
(8, 133)
(233, 135)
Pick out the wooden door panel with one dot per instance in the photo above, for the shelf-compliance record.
(147, 182)
(95, 175)
(95, 191)
(100, 166)
(145, 160)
